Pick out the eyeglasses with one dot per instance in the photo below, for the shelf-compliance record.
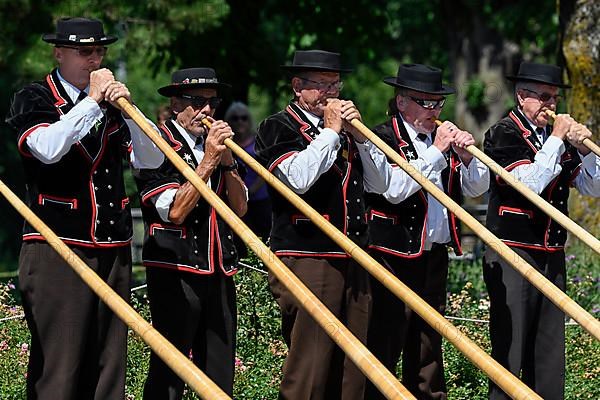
(88, 51)
(429, 104)
(326, 86)
(236, 118)
(201, 101)
(545, 97)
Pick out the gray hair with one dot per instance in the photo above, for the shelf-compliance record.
(237, 107)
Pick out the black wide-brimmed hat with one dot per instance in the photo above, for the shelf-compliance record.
(191, 78)
(315, 60)
(79, 32)
(539, 73)
(420, 78)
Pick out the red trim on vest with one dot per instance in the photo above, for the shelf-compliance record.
(176, 144)
(454, 164)
(280, 159)
(166, 227)
(401, 142)
(60, 101)
(124, 203)
(514, 210)
(396, 252)
(525, 132)
(42, 198)
(303, 218)
(304, 126)
(532, 246)
(74, 242)
(24, 136)
(293, 253)
(158, 190)
(382, 215)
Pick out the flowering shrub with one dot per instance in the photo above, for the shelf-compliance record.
(261, 351)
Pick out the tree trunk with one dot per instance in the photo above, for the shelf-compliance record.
(479, 58)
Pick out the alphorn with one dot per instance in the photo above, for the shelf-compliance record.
(586, 142)
(179, 363)
(503, 378)
(558, 297)
(362, 358)
(535, 198)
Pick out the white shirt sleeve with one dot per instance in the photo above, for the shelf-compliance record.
(49, 144)
(402, 185)
(377, 172)
(301, 170)
(475, 179)
(545, 167)
(145, 153)
(588, 179)
(162, 202)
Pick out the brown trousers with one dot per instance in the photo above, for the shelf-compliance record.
(315, 367)
(396, 330)
(78, 346)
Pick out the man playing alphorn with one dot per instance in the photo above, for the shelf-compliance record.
(314, 150)
(526, 328)
(188, 249)
(72, 141)
(410, 229)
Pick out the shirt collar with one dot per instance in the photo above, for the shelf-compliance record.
(531, 124)
(189, 138)
(71, 90)
(312, 118)
(412, 133)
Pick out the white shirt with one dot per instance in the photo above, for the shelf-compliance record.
(475, 180)
(546, 166)
(300, 171)
(49, 144)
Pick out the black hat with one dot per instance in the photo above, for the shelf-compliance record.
(79, 32)
(540, 73)
(315, 60)
(420, 78)
(191, 78)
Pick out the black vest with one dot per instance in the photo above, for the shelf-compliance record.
(82, 196)
(203, 242)
(511, 217)
(337, 194)
(400, 229)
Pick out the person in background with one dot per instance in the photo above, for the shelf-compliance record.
(258, 217)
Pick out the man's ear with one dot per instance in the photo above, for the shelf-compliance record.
(296, 86)
(519, 98)
(58, 55)
(401, 103)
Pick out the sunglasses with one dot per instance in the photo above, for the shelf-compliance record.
(429, 104)
(236, 118)
(326, 86)
(544, 97)
(201, 101)
(88, 51)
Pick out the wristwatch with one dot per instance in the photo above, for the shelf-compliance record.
(231, 167)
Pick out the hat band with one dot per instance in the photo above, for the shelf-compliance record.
(81, 39)
(197, 80)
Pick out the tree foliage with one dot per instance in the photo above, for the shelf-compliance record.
(247, 41)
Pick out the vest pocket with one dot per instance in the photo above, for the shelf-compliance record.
(385, 218)
(56, 201)
(298, 219)
(504, 211)
(167, 230)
